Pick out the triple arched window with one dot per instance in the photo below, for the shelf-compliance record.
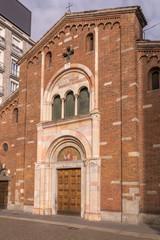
(71, 105)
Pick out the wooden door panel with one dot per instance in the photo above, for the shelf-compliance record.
(69, 191)
(3, 194)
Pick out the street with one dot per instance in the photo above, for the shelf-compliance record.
(19, 227)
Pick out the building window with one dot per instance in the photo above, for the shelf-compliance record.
(154, 79)
(69, 105)
(13, 85)
(48, 60)
(90, 42)
(83, 101)
(56, 108)
(5, 147)
(15, 115)
(17, 46)
(14, 68)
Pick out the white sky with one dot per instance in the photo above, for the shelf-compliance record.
(45, 13)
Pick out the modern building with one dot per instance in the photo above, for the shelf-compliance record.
(81, 134)
(15, 30)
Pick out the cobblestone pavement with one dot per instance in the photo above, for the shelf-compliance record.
(19, 226)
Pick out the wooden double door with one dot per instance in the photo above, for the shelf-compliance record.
(3, 194)
(69, 191)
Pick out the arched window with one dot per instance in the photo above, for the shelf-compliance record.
(155, 80)
(90, 42)
(56, 108)
(48, 60)
(15, 115)
(69, 105)
(83, 101)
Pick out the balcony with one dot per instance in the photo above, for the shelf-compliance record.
(1, 91)
(14, 73)
(16, 50)
(2, 67)
(2, 42)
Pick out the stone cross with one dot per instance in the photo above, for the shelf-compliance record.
(69, 7)
(68, 53)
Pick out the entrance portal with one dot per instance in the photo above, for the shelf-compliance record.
(69, 191)
(3, 194)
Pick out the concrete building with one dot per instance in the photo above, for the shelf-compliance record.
(81, 134)
(15, 29)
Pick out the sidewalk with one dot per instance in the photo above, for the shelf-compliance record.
(141, 230)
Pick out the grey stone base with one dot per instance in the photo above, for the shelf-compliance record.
(20, 208)
(130, 218)
(111, 216)
(149, 218)
(28, 208)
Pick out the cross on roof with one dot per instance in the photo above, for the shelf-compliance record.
(69, 7)
(68, 53)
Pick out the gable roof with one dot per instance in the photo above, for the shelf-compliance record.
(85, 14)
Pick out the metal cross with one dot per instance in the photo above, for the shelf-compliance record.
(69, 7)
(68, 53)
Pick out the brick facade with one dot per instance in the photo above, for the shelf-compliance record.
(118, 139)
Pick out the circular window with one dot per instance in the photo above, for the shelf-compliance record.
(5, 147)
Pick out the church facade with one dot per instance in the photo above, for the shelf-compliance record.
(81, 135)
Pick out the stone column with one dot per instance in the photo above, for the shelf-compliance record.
(62, 110)
(36, 209)
(76, 104)
(93, 174)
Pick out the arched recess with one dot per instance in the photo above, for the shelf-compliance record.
(69, 139)
(49, 91)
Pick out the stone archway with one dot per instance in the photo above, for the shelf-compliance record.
(57, 168)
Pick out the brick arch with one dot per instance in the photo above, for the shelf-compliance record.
(68, 138)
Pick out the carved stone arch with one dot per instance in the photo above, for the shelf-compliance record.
(144, 56)
(74, 29)
(69, 89)
(65, 139)
(79, 27)
(73, 67)
(108, 26)
(39, 53)
(92, 26)
(51, 43)
(85, 27)
(67, 29)
(116, 25)
(61, 34)
(34, 59)
(45, 48)
(78, 70)
(81, 87)
(15, 102)
(154, 56)
(101, 25)
(30, 63)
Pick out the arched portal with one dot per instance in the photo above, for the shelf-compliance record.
(61, 179)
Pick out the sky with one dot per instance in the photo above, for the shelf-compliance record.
(45, 13)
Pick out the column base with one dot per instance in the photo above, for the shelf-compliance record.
(92, 216)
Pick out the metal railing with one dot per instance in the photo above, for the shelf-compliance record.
(2, 42)
(2, 66)
(17, 50)
(1, 91)
(14, 72)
